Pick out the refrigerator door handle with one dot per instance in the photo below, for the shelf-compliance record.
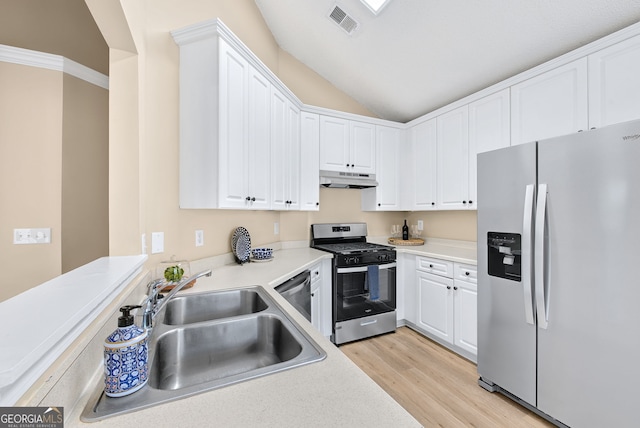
(539, 261)
(527, 246)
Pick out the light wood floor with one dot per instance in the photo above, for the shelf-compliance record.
(435, 385)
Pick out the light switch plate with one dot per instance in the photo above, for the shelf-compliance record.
(157, 242)
(420, 225)
(199, 238)
(32, 236)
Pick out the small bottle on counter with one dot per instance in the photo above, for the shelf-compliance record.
(405, 231)
(125, 357)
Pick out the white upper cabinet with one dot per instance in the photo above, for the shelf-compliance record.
(233, 137)
(422, 183)
(550, 104)
(259, 153)
(285, 153)
(309, 161)
(244, 143)
(452, 134)
(334, 144)
(347, 146)
(387, 195)
(363, 147)
(614, 84)
(489, 129)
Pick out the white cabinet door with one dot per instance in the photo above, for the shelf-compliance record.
(285, 153)
(614, 84)
(465, 307)
(435, 305)
(551, 104)
(279, 156)
(362, 152)
(334, 144)
(309, 161)
(452, 134)
(316, 298)
(347, 146)
(321, 297)
(407, 288)
(293, 157)
(233, 142)
(386, 196)
(423, 165)
(489, 129)
(259, 147)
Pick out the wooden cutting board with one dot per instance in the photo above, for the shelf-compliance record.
(408, 242)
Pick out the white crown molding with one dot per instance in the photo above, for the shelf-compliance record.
(49, 61)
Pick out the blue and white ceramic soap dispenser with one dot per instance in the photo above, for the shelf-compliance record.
(126, 353)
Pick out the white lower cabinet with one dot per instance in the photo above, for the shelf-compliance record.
(321, 297)
(465, 307)
(445, 297)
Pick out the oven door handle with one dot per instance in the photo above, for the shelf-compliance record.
(365, 268)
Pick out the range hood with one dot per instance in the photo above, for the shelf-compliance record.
(347, 180)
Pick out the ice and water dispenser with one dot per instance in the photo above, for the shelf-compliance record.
(504, 255)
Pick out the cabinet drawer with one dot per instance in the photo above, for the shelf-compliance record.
(315, 274)
(435, 266)
(465, 272)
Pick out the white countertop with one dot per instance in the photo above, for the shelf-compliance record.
(454, 251)
(331, 392)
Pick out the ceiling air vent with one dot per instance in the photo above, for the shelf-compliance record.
(345, 22)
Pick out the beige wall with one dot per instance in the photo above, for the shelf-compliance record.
(30, 186)
(85, 173)
(53, 143)
(61, 27)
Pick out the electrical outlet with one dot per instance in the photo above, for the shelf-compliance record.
(199, 238)
(157, 242)
(276, 228)
(144, 243)
(32, 236)
(420, 225)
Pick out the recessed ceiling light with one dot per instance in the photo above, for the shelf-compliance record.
(375, 5)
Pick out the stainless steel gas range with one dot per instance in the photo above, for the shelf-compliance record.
(364, 281)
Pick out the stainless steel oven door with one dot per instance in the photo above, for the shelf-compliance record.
(364, 291)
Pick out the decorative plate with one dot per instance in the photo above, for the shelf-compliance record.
(241, 244)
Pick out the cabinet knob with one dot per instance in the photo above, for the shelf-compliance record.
(433, 203)
(253, 199)
(464, 202)
(313, 294)
(448, 287)
(455, 288)
(347, 165)
(379, 204)
(431, 266)
(466, 273)
(248, 198)
(470, 202)
(317, 204)
(352, 165)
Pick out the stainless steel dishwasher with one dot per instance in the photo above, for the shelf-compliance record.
(297, 291)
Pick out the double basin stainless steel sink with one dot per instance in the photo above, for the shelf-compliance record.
(205, 341)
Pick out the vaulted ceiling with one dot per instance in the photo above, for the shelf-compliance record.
(418, 55)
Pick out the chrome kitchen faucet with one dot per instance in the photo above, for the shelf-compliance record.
(153, 306)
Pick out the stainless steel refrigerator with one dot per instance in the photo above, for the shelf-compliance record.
(559, 276)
